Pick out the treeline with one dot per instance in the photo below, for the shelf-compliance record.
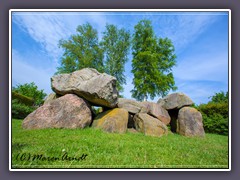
(152, 57)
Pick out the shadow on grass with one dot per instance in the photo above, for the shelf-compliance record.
(18, 146)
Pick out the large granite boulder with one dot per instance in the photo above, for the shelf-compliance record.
(156, 110)
(113, 121)
(68, 111)
(97, 88)
(189, 122)
(149, 125)
(130, 105)
(175, 101)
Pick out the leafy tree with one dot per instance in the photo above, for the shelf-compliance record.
(116, 43)
(30, 90)
(152, 63)
(81, 50)
(219, 97)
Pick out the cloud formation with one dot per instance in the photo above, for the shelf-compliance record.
(47, 28)
(183, 29)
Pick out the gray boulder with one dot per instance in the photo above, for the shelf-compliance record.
(189, 122)
(149, 125)
(175, 101)
(157, 111)
(68, 111)
(97, 88)
(130, 105)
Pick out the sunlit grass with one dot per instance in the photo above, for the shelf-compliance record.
(106, 150)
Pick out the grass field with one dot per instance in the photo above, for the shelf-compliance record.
(92, 148)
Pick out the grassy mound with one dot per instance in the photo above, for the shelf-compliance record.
(92, 148)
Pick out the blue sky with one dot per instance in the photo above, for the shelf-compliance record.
(200, 40)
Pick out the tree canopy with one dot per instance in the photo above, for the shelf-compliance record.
(153, 59)
(85, 50)
(115, 44)
(81, 50)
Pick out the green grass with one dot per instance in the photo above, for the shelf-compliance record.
(105, 150)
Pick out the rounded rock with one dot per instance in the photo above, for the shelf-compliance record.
(68, 111)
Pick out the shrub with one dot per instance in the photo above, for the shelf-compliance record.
(25, 99)
(20, 110)
(215, 117)
(215, 108)
(216, 124)
(31, 90)
(22, 99)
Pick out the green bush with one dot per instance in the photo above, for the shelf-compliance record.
(215, 117)
(215, 108)
(22, 99)
(25, 99)
(20, 110)
(31, 91)
(216, 124)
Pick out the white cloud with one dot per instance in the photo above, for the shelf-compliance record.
(25, 73)
(47, 28)
(183, 29)
(209, 67)
(200, 91)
